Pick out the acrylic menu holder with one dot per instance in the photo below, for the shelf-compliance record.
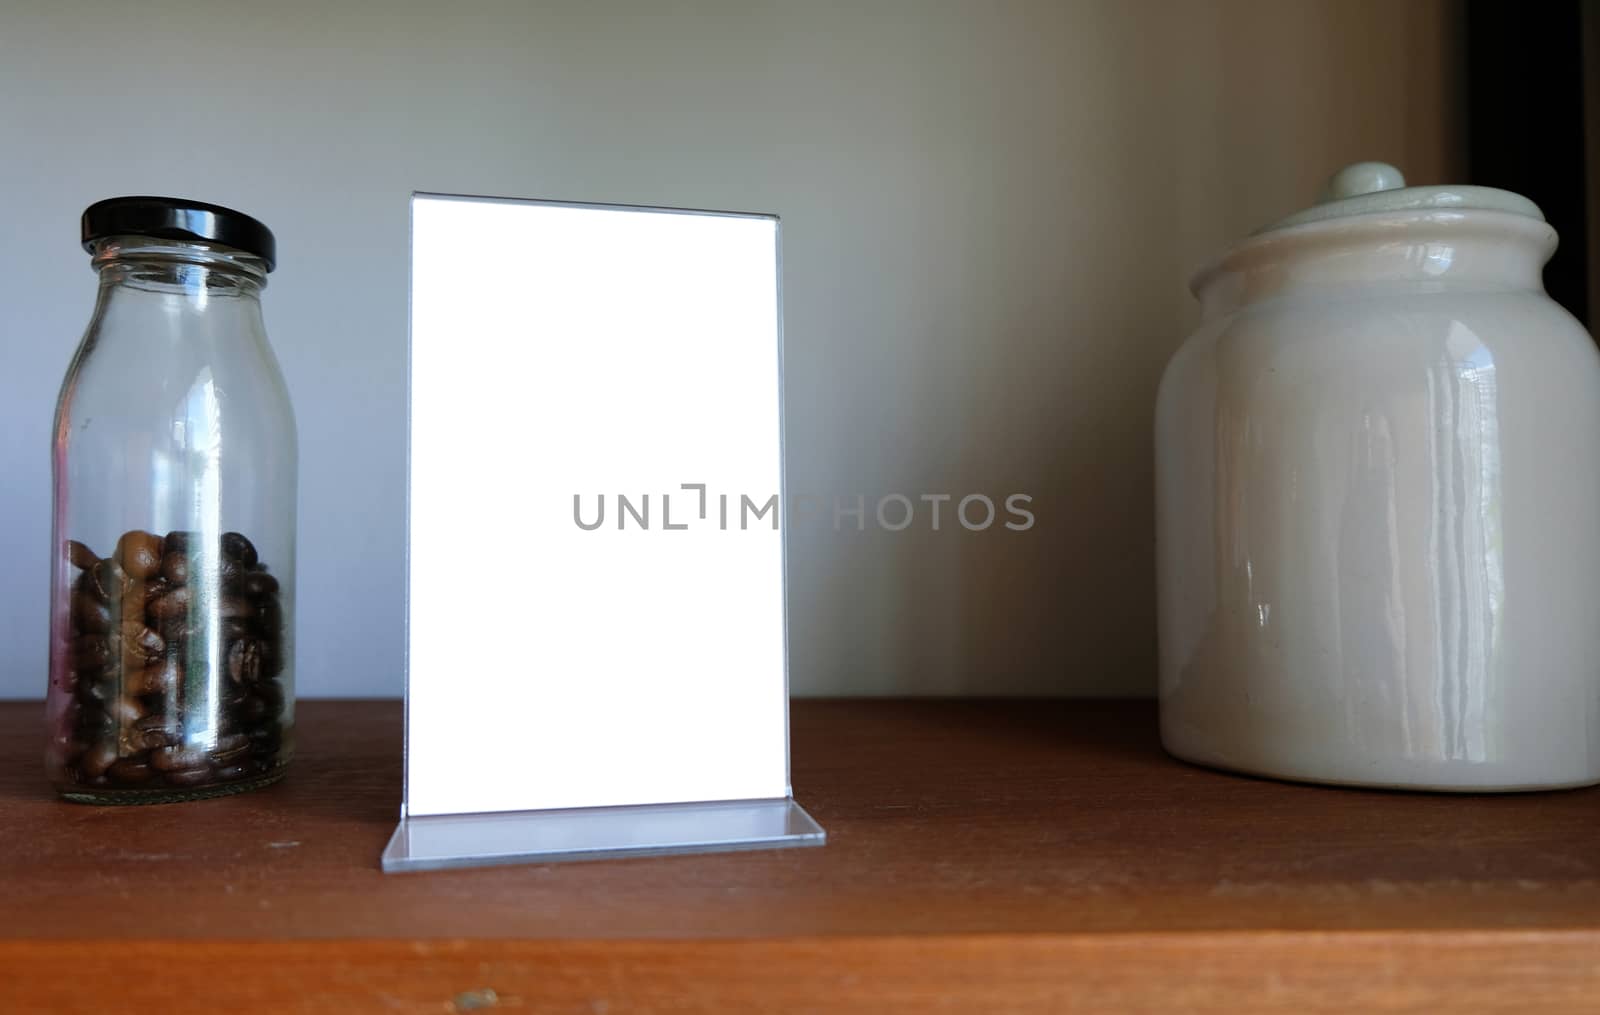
(596, 640)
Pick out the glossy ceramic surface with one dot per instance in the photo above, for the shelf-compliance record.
(1378, 504)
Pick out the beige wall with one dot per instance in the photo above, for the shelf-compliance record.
(990, 211)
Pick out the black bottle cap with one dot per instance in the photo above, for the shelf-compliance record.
(170, 218)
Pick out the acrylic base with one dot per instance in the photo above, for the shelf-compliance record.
(436, 842)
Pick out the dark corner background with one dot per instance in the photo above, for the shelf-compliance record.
(1532, 99)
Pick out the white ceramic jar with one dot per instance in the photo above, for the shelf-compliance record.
(1378, 501)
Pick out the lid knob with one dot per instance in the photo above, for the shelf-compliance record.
(1363, 178)
(1373, 188)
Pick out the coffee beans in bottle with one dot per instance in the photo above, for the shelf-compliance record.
(151, 627)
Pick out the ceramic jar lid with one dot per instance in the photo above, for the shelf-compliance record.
(1368, 187)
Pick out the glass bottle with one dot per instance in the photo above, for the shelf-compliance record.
(172, 594)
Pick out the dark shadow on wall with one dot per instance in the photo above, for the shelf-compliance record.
(1525, 123)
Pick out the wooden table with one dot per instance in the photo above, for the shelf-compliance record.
(982, 856)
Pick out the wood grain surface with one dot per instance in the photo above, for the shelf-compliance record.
(982, 856)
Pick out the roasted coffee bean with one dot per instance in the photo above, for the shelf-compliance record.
(194, 776)
(234, 628)
(93, 722)
(125, 710)
(177, 632)
(153, 732)
(270, 618)
(178, 541)
(95, 687)
(157, 721)
(90, 653)
(64, 739)
(145, 680)
(247, 709)
(265, 740)
(272, 658)
(271, 693)
(128, 661)
(89, 613)
(230, 572)
(148, 740)
(129, 771)
(81, 556)
(163, 676)
(244, 661)
(236, 547)
(141, 641)
(230, 749)
(67, 746)
(233, 773)
(230, 746)
(84, 585)
(175, 759)
(107, 579)
(235, 606)
(258, 585)
(172, 604)
(97, 759)
(131, 606)
(175, 568)
(139, 553)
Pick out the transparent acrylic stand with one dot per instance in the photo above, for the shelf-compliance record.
(580, 690)
(590, 833)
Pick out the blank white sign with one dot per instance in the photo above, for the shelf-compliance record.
(562, 351)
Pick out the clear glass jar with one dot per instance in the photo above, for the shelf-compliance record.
(175, 460)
